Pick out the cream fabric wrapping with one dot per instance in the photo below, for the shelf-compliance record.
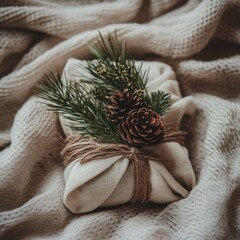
(109, 182)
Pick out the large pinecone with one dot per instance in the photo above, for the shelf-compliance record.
(142, 127)
(121, 103)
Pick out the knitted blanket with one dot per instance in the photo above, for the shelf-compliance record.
(199, 39)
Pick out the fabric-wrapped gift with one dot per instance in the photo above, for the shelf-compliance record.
(110, 181)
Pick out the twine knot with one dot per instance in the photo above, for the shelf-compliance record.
(132, 154)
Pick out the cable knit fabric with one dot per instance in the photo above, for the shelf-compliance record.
(199, 39)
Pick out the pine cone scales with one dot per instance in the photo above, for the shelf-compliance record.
(121, 103)
(142, 127)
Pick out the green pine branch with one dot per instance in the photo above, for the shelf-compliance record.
(76, 104)
(113, 69)
(158, 101)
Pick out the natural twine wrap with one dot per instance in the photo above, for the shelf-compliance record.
(84, 149)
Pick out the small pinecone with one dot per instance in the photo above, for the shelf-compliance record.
(121, 103)
(142, 127)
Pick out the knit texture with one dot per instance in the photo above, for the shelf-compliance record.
(199, 39)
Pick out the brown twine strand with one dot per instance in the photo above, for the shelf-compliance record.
(84, 149)
(172, 134)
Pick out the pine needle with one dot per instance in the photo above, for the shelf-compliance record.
(159, 101)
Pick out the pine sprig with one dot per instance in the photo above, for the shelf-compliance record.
(78, 105)
(113, 69)
(159, 101)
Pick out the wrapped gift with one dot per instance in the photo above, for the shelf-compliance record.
(124, 127)
(109, 181)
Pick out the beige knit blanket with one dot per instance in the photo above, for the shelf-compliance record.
(199, 39)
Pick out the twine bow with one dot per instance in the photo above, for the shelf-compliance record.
(85, 149)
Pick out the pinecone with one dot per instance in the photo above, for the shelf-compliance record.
(142, 127)
(121, 103)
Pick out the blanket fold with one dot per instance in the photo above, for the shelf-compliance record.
(199, 40)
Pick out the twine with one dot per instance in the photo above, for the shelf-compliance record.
(85, 149)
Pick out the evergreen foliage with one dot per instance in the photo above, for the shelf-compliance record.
(112, 70)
